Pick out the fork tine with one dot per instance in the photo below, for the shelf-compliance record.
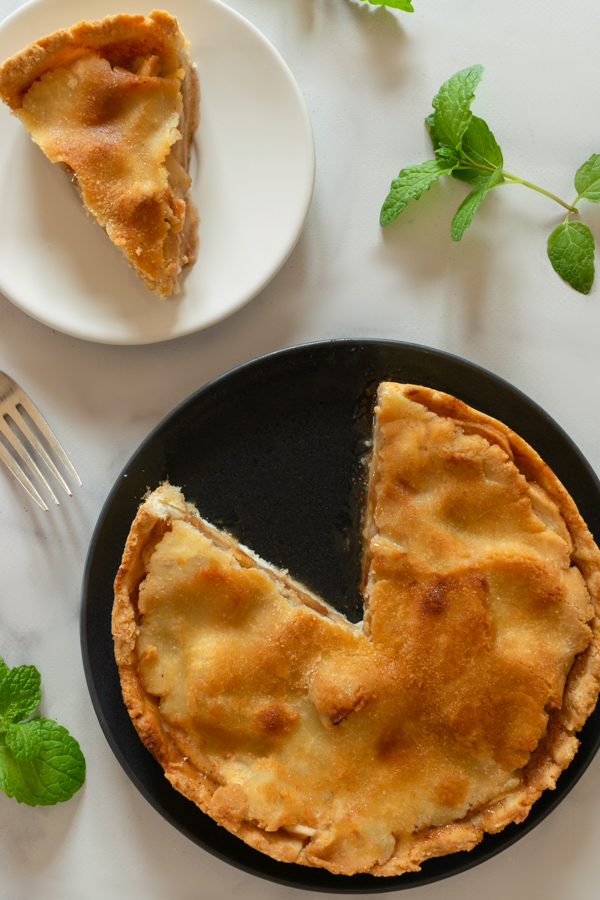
(18, 473)
(18, 419)
(10, 436)
(21, 399)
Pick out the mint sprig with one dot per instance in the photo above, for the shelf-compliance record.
(40, 762)
(465, 148)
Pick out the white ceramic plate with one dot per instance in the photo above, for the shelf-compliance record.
(252, 166)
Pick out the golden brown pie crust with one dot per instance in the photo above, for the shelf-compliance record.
(373, 747)
(115, 103)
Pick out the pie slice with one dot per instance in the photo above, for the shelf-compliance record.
(440, 717)
(115, 103)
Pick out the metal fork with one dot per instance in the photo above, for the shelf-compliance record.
(12, 401)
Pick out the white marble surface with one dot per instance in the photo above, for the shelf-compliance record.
(368, 76)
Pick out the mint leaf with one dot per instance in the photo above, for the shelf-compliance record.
(435, 138)
(55, 773)
(4, 670)
(587, 180)
(410, 183)
(449, 155)
(571, 252)
(452, 103)
(480, 147)
(404, 5)
(466, 210)
(24, 739)
(19, 693)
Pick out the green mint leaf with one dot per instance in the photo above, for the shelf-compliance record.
(466, 210)
(19, 693)
(471, 175)
(435, 138)
(452, 103)
(571, 252)
(480, 145)
(4, 670)
(587, 179)
(450, 155)
(481, 148)
(53, 775)
(404, 5)
(410, 183)
(24, 739)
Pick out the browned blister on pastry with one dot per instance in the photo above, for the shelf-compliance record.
(115, 103)
(442, 716)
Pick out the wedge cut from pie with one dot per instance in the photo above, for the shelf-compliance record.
(442, 716)
(115, 103)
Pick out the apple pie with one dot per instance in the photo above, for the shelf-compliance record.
(443, 715)
(115, 103)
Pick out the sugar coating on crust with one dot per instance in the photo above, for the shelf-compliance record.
(442, 716)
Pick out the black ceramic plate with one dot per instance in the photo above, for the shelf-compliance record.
(272, 452)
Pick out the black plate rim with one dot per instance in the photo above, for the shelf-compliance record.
(491, 845)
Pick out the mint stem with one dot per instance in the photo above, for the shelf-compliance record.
(540, 190)
(516, 180)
